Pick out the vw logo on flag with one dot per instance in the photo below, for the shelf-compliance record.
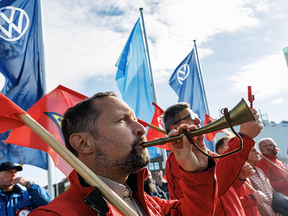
(14, 22)
(183, 73)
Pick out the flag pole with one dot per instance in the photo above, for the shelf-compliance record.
(201, 77)
(164, 154)
(148, 57)
(43, 81)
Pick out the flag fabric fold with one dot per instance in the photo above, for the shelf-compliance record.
(48, 112)
(20, 41)
(133, 79)
(211, 136)
(8, 119)
(186, 82)
(285, 51)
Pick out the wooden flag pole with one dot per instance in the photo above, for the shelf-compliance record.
(250, 187)
(145, 124)
(156, 128)
(74, 162)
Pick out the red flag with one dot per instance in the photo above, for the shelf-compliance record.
(7, 110)
(48, 111)
(145, 124)
(157, 121)
(211, 136)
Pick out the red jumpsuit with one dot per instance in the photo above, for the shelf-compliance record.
(277, 178)
(227, 171)
(248, 202)
(84, 200)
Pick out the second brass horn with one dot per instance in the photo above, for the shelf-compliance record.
(240, 114)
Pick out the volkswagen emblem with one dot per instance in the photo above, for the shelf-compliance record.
(14, 22)
(183, 73)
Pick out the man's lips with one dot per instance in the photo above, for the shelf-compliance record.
(143, 141)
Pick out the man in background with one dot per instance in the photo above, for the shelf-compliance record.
(160, 182)
(152, 189)
(278, 179)
(13, 199)
(227, 168)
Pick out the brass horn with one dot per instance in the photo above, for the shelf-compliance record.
(240, 114)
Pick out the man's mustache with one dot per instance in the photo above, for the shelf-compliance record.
(139, 140)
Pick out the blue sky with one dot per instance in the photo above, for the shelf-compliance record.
(239, 43)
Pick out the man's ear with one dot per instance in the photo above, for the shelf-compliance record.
(220, 151)
(82, 142)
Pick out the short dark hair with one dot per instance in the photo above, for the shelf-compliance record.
(82, 118)
(220, 142)
(171, 114)
(154, 174)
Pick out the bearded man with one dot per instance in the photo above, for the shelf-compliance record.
(103, 132)
(278, 179)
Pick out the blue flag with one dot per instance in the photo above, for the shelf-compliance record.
(133, 79)
(20, 65)
(186, 82)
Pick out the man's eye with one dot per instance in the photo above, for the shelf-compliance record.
(121, 120)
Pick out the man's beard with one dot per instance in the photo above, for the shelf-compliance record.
(130, 164)
(149, 186)
(273, 152)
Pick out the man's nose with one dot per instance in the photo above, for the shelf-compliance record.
(140, 129)
(197, 122)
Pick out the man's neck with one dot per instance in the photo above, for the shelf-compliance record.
(6, 188)
(111, 173)
(269, 155)
(160, 183)
(118, 177)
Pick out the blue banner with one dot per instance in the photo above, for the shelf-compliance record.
(186, 82)
(20, 65)
(133, 78)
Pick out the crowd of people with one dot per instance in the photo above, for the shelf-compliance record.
(103, 133)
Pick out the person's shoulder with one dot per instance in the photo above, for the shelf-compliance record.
(64, 205)
(261, 163)
(43, 212)
(280, 162)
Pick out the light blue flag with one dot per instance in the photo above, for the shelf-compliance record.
(186, 82)
(20, 65)
(134, 81)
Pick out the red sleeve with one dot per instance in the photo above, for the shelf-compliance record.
(42, 212)
(238, 183)
(201, 190)
(199, 193)
(173, 176)
(229, 168)
(245, 198)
